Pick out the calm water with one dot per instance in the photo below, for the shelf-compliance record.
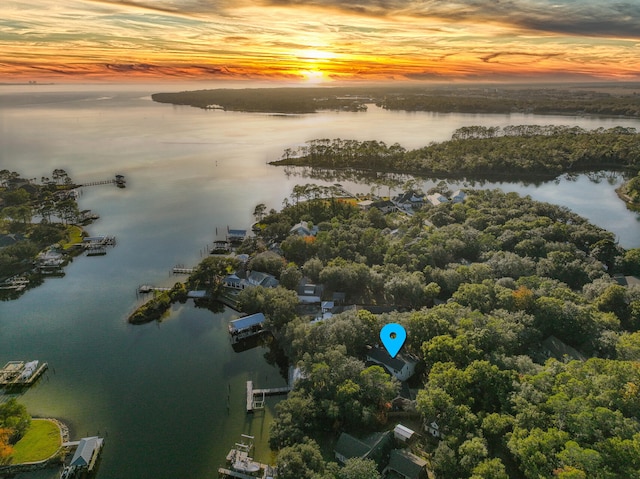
(160, 392)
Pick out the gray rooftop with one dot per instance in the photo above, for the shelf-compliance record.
(86, 448)
(246, 322)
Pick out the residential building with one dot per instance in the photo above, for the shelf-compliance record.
(402, 366)
(407, 465)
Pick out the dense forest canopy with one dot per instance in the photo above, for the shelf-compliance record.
(512, 152)
(510, 276)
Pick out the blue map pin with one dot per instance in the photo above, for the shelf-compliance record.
(393, 336)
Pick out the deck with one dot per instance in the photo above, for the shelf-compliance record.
(11, 374)
(253, 403)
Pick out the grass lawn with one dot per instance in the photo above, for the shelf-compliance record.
(75, 236)
(40, 441)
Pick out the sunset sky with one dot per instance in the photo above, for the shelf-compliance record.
(313, 41)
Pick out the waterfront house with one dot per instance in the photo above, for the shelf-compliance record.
(232, 281)
(410, 199)
(407, 465)
(258, 278)
(401, 367)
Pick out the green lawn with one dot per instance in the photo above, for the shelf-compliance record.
(40, 441)
(75, 236)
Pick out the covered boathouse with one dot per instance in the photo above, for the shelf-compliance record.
(87, 453)
(246, 327)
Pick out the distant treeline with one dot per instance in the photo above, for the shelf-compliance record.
(537, 101)
(269, 100)
(564, 100)
(482, 152)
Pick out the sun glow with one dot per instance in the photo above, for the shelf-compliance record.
(312, 76)
(313, 55)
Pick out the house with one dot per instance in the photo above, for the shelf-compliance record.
(385, 206)
(327, 306)
(232, 281)
(374, 447)
(303, 229)
(626, 280)
(258, 278)
(437, 199)
(458, 196)
(402, 366)
(87, 453)
(403, 433)
(407, 465)
(433, 429)
(411, 199)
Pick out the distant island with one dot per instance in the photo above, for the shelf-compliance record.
(597, 99)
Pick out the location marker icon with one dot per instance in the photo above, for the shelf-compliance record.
(393, 336)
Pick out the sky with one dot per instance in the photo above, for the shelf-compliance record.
(319, 41)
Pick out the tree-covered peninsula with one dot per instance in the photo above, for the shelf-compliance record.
(519, 313)
(513, 152)
(601, 100)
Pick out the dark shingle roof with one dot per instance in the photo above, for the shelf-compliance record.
(407, 464)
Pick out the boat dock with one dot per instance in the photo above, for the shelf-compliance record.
(182, 270)
(97, 245)
(241, 465)
(16, 283)
(21, 374)
(255, 397)
(145, 288)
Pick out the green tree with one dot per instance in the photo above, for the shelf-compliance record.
(267, 262)
(312, 269)
(290, 277)
(357, 468)
(259, 211)
(14, 417)
(490, 469)
(631, 262)
(301, 460)
(628, 347)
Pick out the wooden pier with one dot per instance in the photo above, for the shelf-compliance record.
(253, 403)
(118, 180)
